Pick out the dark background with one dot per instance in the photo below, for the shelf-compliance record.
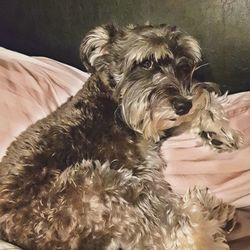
(54, 28)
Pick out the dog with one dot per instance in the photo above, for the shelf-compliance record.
(90, 175)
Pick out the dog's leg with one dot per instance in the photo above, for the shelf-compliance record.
(216, 132)
(210, 219)
(212, 125)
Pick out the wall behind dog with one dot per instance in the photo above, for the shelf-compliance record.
(54, 28)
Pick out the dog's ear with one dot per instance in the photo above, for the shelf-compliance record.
(96, 44)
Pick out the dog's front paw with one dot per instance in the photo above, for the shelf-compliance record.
(222, 140)
(225, 214)
(216, 209)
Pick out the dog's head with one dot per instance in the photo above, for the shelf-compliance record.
(149, 69)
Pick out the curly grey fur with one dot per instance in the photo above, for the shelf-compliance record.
(89, 176)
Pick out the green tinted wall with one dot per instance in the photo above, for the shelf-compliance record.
(54, 28)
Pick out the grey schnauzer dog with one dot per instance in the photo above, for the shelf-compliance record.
(90, 176)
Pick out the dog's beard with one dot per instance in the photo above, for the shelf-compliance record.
(146, 106)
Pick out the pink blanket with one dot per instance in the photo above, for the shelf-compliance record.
(32, 87)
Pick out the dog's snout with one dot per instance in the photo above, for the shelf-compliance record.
(181, 106)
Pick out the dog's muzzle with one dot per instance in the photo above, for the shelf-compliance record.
(181, 105)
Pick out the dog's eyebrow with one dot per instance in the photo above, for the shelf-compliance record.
(166, 56)
(156, 57)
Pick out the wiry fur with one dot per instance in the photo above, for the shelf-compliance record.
(89, 176)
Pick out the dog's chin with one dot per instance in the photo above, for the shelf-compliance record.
(177, 127)
(178, 120)
(156, 131)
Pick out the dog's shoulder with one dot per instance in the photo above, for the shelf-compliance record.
(84, 127)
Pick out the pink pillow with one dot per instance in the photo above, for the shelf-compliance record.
(31, 88)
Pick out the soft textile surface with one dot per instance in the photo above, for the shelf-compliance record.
(32, 87)
(7, 246)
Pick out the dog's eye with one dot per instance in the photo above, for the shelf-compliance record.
(147, 64)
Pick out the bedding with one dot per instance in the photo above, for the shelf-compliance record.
(32, 87)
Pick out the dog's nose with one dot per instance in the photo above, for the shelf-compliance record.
(181, 106)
